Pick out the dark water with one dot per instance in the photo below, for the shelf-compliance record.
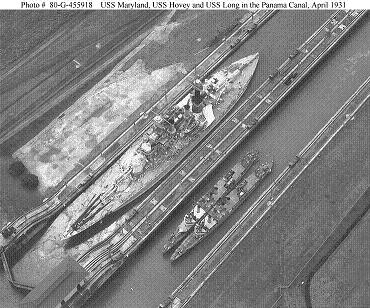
(148, 277)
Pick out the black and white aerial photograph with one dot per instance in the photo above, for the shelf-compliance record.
(174, 157)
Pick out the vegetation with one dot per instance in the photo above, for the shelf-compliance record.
(17, 168)
(30, 181)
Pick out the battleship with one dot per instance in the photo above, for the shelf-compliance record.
(223, 209)
(170, 137)
(206, 202)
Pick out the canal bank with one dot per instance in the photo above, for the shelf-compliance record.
(109, 254)
(267, 261)
(282, 136)
(269, 204)
(138, 269)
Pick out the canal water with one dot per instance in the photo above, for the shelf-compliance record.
(148, 277)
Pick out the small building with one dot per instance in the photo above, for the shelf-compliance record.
(56, 285)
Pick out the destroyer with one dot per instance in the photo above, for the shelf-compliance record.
(170, 138)
(205, 203)
(223, 209)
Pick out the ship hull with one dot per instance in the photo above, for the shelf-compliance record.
(177, 239)
(155, 172)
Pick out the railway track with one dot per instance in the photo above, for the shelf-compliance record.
(193, 282)
(32, 112)
(64, 28)
(58, 70)
(103, 259)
